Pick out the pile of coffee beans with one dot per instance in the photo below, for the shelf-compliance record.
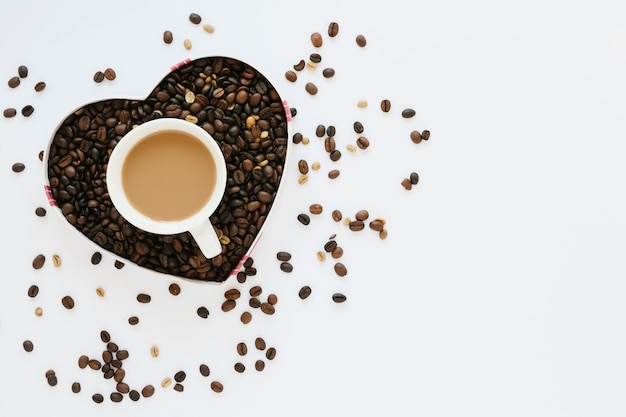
(229, 99)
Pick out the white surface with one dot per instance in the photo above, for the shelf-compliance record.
(499, 291)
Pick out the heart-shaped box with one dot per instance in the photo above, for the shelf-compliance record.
(228, 98)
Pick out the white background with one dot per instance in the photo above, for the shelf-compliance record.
(499, 291)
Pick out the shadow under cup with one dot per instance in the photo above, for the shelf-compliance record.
(168, 176)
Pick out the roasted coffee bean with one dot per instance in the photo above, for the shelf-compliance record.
(97, 398)
(205, 370)
(335, 155)
(40, 212)
(208, 28)
(168, 37)
(180, 376)
(68, 302)
(300, 65)
(133, 320)
(246, 317)
(33, 290)
(414, 178)
(291, 76)
(425, 134)
(254, 302)
(56, 260)
(18, 167)
(330, 245)
(340, 269)
(105, 336)
(303, 167)
(112, 347)
(100, 292)
(333, 173)
(96, 258)
(337, 252)
(174, 289)
(361, 41)
(328, 72)
(122, 354)
(339, 297)
(304, 219)
(311, 88)
(9, 112)
(304, 292)
(286, 267)
(362, 142)
(406, 183)
(408, 113)
(195, 18)
(119, 375)
(259, 365)
(316, 208)
(267, 308)
(358, 127)
(376, 225)
(217, 386)
(98, 76)
(333, 29)
(228, 305)
(356, 225)
(311, 66)
(144, 298)
(385, 105)
(259, 343)
(362, 215)
(22, 71)
(76, 387)
(118, 264)
(329, 144)
(315, 58)
(272, 299)
(40, 86)
(110, 74)
(14, 81)
(28, 345)
(83, 361)
(241, 277)
(337, 215)
(94, 364)
(320, 130)
(240, 367)
(416, 136)
(242, 349)
(134, 395)
(283, 256)
(316, 39)
(147, 391)
(271, 353)
(203, 312)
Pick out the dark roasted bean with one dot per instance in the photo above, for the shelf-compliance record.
(316, 39)
(339, 297)
(333, 29)
(385, 105)
(361, 41)
(328, 72)
(304, 219)
(408, 113)
(304, 292)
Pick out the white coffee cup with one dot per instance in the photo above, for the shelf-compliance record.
(120, 181)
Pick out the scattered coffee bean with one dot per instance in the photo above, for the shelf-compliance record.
(425, 134)
(337, 215)
(9, 112)
(255, 291)
(304, 219)
(144, 298)
(232, 294)
(40, 86)
(242, 349)
(416, 136)
(303, 167)
(311, 88)
(228, 305)
(38, 312)
(316, 39)
(271, 353)
(118, 264)
(331, 130)
(18, 167)
(333, 29)
(259, 343)
(358, 127)
(361, 41)
(406, 183)
(337, 252)
(321, 256)
(330, 245)
(168, 37)
(304, 292)
(315, 58)
(33, 290)
(83, 360)
(94, 364)
(134, 395)
(311, 66)
(195, 18)
(166, 382)
(362, 215)
(259, 365)
(40, 212)
(22, 71)
(76, 387)
(408, 113)
(208, 28)
(356, 225)
(205, 370)
(14, 81)
(362, 142)
(240, 367)
(246, 317)
(315, 166)
(147, 391)
(385, 105)
(334, 173)
(335, 155)
(339, 297)
(241, 277)
(96, 258)
(286, 267)
(56, 260)
(203, 312)
(329, 144)
(272, 299)
(376, 225)
(254, 302)
(267, 308)
(97, 398)
(180, 376)
(98, 76)
(316, 208)
(28, 345)
(291, 76)
(217, 386)
(116, 397)
(300, 65)
(39, 261)
(110, 74)
(361, 104)
(414, 178)
(100, 292)
(283, 256)
(320, 130)
(154, 351)
(187, 44)
(27, 110)
(328, 72)
(133, 320)
(174, 289)
(340, 269)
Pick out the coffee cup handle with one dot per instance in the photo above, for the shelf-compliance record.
(207, 240)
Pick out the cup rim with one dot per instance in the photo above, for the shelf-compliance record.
(128, 142)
